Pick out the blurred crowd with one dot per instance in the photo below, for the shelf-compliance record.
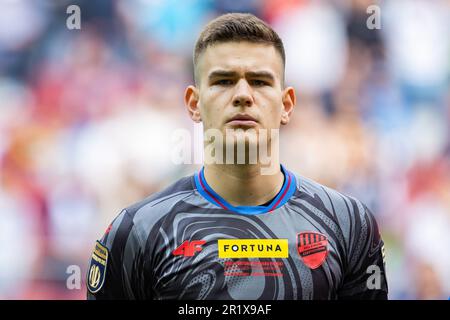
(87, 118)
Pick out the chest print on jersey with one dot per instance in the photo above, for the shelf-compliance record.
(312, 248)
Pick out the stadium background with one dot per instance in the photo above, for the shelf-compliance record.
(86, 118)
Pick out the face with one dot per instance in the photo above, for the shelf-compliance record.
(240, 87)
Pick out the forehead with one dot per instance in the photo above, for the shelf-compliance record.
(241, 57)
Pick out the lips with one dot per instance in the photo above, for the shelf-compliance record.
(242, 120)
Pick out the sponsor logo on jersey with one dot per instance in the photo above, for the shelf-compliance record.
(189, 248)
(97, 268)
(253, 248)
(312, 248)
(249, 267)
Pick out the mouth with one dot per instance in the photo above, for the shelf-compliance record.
(242, 120)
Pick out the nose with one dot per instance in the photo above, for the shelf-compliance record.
(243, 95)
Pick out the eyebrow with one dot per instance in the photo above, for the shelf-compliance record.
(234, 74)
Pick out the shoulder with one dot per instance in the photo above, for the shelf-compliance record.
(165, 198)
(346, 215)
(141, 217)
(155, 206)
(328, 198)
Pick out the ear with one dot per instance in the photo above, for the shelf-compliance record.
(289, 101)
(191, 100)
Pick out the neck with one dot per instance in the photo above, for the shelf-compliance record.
(244, 185)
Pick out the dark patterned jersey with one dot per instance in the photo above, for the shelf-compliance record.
(187, 242)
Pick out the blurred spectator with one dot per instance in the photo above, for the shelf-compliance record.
(310, 33)
(418, 53)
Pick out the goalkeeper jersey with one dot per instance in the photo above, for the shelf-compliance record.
(187, 242)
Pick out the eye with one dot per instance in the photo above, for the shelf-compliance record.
(223, 82)
(259, 83)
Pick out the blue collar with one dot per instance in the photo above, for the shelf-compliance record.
(282, 197)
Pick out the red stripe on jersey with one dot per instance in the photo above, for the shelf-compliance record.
(284, 193)
(215, 199)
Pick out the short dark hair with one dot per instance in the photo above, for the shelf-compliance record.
(237, 27)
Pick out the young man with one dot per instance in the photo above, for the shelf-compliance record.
(233, 230)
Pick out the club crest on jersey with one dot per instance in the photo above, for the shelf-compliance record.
(312, 248)
(97, 268)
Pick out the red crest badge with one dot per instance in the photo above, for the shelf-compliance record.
(312, 248)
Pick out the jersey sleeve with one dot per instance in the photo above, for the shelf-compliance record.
(365, 277)
(115, 270)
